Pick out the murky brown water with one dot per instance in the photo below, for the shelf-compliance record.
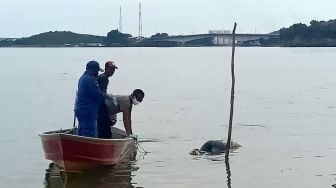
(284, 115)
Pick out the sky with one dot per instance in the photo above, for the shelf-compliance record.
(24, 18)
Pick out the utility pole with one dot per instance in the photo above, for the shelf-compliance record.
(140, 22)
(120, 21)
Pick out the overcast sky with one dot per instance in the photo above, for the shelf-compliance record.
(23, 18)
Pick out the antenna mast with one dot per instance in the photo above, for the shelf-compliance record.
(120, 20)
(140, 22)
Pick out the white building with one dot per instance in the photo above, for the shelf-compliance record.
(219, 31)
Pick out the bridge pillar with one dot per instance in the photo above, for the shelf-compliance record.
(222, 41)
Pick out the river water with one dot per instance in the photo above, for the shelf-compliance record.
(284, 115)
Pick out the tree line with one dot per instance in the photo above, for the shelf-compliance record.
(318, 33)
(67, 38)
(54, 38)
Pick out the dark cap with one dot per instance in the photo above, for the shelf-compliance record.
(93, 65)
(110, 64)
(138, 94)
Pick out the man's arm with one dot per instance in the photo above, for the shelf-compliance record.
(94, 90)
(103, 82)
(127, 121)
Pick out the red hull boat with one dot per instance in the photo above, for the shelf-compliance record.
(73, 153)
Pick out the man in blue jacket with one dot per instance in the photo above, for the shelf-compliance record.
(88, 99)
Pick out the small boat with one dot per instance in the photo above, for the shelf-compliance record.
(74, 153)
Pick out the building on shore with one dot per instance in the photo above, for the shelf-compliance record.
(220, 31)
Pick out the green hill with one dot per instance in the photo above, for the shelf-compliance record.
(59, 38)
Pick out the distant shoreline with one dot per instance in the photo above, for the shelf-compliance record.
(317, 34)
(275, 46)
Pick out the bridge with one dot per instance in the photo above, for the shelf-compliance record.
(216, 39)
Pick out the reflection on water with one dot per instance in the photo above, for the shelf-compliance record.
(219, 157)
(119, 176)
(228, 172)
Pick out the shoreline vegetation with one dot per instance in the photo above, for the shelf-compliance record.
(317, 34)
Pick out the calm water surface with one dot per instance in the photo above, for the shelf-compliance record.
(284, 115)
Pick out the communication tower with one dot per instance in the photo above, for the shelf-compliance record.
(140, 22)
(120, 21)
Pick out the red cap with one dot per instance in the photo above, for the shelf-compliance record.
(110, 64)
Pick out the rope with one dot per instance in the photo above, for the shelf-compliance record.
(143, 150)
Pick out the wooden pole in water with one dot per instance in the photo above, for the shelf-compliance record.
(228, 142)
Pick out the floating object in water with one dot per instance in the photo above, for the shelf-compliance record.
(214, 147)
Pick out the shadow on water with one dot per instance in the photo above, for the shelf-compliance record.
(119, 176)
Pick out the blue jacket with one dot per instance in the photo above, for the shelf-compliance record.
(89, 96)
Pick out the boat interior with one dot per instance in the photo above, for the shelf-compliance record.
(116, 133)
